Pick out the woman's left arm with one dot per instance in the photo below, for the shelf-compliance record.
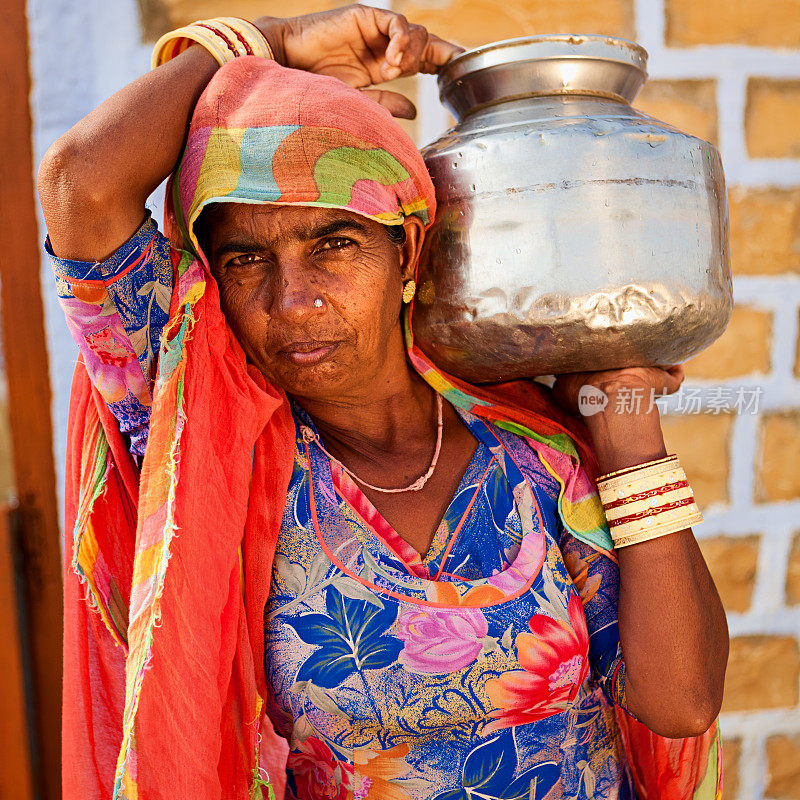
(672, 626)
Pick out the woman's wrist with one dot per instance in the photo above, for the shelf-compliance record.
(274, 30)
(624, 439)
(200, 61)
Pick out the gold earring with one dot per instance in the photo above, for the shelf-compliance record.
(409, 289)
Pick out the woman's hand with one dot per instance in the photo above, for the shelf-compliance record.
(636, 383)
(620, 411)
(361, 46)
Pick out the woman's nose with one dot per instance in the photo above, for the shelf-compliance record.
(294, 295)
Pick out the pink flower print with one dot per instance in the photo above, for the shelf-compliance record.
(440, 639)
(518, 574)
(113, 367)
(362, 791)
(108, 349)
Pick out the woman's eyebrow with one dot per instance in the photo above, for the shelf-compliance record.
(246, 244)
(240, 245)
(337, 226)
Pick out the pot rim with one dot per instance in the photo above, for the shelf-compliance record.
(544, 47)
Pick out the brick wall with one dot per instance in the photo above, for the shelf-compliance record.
(728, 71)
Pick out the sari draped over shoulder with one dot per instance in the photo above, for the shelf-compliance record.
(167, 568)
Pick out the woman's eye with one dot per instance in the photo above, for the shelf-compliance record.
(244, 260)
(337, 243)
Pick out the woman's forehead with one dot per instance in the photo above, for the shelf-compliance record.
(269, 220)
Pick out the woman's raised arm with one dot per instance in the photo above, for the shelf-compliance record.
(95, 179)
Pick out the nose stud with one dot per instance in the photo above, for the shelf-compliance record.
(318, 302)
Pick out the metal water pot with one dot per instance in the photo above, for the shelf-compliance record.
(573, 232)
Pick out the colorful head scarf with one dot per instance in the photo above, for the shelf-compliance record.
(164, 687)
(291, 137)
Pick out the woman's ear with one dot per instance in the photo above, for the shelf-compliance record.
(412, 247)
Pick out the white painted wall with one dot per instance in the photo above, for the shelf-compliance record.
(82, 51)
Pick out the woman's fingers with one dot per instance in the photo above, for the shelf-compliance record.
(412, 48)
(673, 378)
(395, 103)
(399, 36)
(363, 46)
(439, 51)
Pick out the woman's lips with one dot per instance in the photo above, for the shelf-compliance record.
(308, 353)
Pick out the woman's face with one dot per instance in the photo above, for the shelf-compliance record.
(312, 294)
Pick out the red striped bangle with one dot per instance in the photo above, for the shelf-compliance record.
(221, 35)
(244, 41)
(650, 512)
(669, 487)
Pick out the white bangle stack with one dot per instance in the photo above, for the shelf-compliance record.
(225, 38)
(647, 501)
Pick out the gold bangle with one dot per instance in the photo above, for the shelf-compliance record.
(644, 502)
(248, 34)
(643, 473)
(650, 504)
(225, 38)
(172, 44)
(657, 532)
(636, 467)
(630, 491)
(662, 523)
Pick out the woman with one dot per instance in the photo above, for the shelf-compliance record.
(280, 521)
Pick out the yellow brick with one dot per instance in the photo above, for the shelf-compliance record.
(778, 477)
(773, 23)
(474, 22)
(701, 441)
(743, 349)
(688, 105)
(765, 230)
(159, 16)
(732, 562)
(793, 573)
(772, 118)
(783, 767)
(763, 672)
(731, 753)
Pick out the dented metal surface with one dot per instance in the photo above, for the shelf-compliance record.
(573, 232)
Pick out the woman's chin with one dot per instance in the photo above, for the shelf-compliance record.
(320, 379)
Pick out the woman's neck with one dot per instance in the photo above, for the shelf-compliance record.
(395, 413)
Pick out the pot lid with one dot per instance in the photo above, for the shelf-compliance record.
(550, 64)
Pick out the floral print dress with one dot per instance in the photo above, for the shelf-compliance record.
(487, 669)
(466, 674)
